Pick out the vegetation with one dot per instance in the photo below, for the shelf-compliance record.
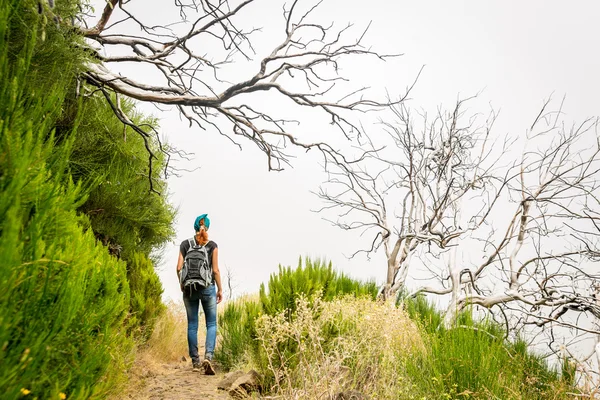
(314, 280)
(112, 163)
(78, 239)
(285, 287)
(350, 341)
(65, 312)
(473, 360)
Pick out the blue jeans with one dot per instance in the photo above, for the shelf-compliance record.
(208, 298)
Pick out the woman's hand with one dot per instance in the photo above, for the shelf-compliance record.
(219, 296)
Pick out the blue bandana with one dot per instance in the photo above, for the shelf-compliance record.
(197, 222)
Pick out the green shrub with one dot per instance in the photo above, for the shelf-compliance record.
(146, 291)
(285, 287)
(237, 327)
(473, 360)
(63, 298)
(112, 162)
(237, 324)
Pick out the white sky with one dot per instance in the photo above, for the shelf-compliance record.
(518, 53)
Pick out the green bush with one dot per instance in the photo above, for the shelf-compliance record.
(63, 298)
(237, 324)
(146, 290)
(237, 327)
(285, 287)
(124, 216)
(112, 162)
(473, 360)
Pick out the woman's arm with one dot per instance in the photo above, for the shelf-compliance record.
(179, 266)
(217, 274)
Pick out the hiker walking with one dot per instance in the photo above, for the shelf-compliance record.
(198, 270)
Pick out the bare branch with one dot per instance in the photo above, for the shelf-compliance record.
(189, 65)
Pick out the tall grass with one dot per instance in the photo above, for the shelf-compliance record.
(327, 344)
(311, 279)
(168, 340)
(166, 344)
(237, 332)
(346, 344)
(473, 360)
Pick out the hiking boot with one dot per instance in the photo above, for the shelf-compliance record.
(196, 367)
(208, 368)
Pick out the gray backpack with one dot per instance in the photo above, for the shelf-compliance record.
(197, 268)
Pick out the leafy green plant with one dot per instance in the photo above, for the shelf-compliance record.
(63, 298)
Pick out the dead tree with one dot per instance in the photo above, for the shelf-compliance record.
(408, 195)
(187, 60)
(451, 208)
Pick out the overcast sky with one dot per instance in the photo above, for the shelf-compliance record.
(515, 53)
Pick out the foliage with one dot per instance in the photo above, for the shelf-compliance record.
(288, 284)
(113, 161)
(356, 343)
(237, 324)
(473, 360)
(346, 344)
(63, 298)
(146, 290)
(237, 327)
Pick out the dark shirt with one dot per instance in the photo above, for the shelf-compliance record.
(210, 247)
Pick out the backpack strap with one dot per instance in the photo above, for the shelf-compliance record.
(192, 242)
(208, 260)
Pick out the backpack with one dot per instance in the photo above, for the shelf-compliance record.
(196, 267)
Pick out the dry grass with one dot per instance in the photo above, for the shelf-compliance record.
(168, 342)
(346, 344)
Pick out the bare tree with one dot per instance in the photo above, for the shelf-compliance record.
(449, 208)
(188, 58)
(408, 195)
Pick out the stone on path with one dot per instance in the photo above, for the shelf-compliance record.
(229, 379)
(245, 384)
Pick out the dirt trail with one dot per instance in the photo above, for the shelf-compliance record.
(176, 381)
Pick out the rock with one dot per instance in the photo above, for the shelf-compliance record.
(229, 379)
(238, 393)
(245, 384)
(183, 359)
(351, 395)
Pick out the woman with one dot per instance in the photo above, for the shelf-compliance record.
(194, 295)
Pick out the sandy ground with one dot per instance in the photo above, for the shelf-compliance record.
(174, 381)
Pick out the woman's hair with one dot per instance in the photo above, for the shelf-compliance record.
(202, 236)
